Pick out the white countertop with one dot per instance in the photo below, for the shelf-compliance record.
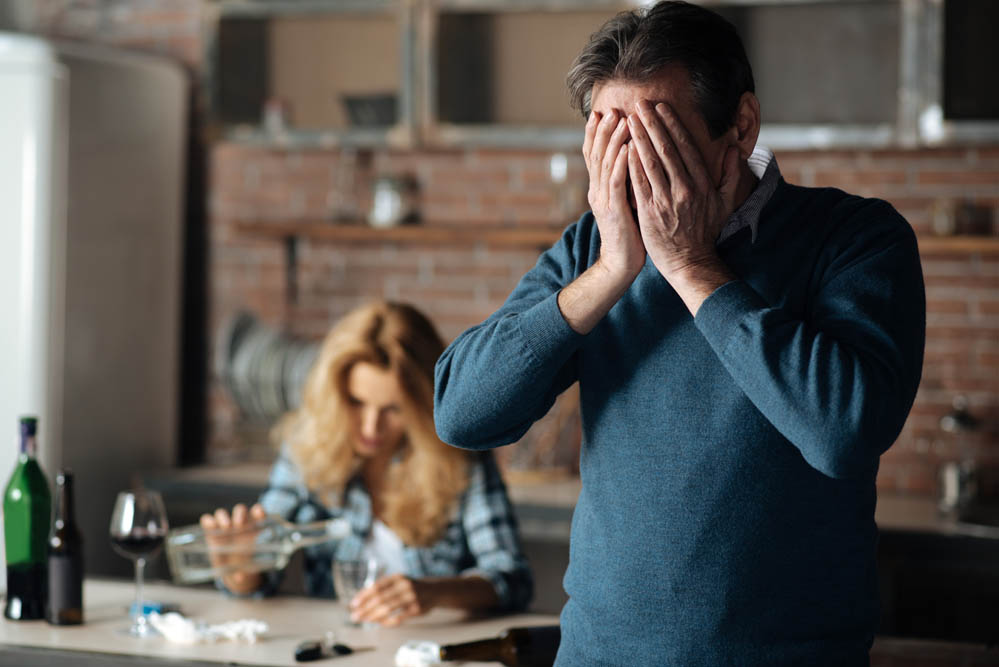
(292, 620)
(296, 619)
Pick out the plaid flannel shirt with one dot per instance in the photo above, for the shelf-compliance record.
(481, 538)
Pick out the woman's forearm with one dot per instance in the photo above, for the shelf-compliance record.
(472, 593)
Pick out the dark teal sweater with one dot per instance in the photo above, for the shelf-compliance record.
(728, 460)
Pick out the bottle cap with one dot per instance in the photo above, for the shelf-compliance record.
(29, 426)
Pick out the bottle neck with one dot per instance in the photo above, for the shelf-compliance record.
(29, 445)
(64, 504)
(317, 532)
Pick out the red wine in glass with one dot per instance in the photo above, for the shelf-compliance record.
(137, 545)
(138, 529)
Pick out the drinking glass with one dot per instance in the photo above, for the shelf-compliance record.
(138, 528)
(349, 577)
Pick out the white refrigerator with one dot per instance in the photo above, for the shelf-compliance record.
(92, 157)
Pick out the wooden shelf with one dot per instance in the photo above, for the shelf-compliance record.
(537, 235)
(987, 245)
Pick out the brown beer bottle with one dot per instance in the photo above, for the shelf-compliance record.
(517, 647)
(65, 559)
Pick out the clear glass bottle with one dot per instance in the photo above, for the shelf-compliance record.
(195, 555)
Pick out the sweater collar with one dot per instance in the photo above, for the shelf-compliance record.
(764, 165)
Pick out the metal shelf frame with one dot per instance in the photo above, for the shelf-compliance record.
(919, 120)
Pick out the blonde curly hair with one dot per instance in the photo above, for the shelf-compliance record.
(425, 480)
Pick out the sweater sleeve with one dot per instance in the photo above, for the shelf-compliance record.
(499, 377)
(838, 383)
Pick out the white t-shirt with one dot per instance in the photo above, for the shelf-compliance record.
(385, 547)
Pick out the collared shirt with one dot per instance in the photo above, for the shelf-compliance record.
(481, 538)
(763, 164)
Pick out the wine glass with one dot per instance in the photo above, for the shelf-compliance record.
(138, 528)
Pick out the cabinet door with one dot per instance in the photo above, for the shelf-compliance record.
(498, 76)
(342, 72)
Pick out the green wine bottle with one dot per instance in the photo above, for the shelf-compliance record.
(27, 512)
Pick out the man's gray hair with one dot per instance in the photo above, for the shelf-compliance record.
(636, 45)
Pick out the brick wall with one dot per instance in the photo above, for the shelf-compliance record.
(459, 285)
(166, 27)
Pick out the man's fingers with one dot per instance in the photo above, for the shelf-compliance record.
(611, 155)
(618, 193)
(686, 149)
(651, 164)
(207, 522)
(257, 512)
(663, 146)
(640, 184)
(603, 134)
(591, 128)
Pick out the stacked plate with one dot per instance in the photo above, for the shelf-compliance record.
(263, 370)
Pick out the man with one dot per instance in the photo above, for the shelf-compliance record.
(746, 349)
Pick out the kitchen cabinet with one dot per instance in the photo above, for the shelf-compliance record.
(492, 72)
(940, 586)
(312, 72)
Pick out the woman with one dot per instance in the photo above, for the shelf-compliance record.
(363, 446)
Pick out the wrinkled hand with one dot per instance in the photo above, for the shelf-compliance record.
(391, 600)
(680, 211)
(605, 151)
(227, 534)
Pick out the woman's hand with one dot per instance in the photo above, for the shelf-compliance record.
(392, 599)
(228, 532)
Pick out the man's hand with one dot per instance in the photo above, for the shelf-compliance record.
(680, 211)
(391, 600)
(605, 151)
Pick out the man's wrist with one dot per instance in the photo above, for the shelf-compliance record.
(616, 277)
(695, 281)
(585, 300)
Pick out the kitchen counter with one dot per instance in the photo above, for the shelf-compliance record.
(544, 508)
(292, 619)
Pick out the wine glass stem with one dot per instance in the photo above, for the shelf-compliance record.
(137, 615)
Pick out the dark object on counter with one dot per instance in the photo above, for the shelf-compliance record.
(517, 647)
(27, 507)
(65, 556)
(311, 650)
(374, 110)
